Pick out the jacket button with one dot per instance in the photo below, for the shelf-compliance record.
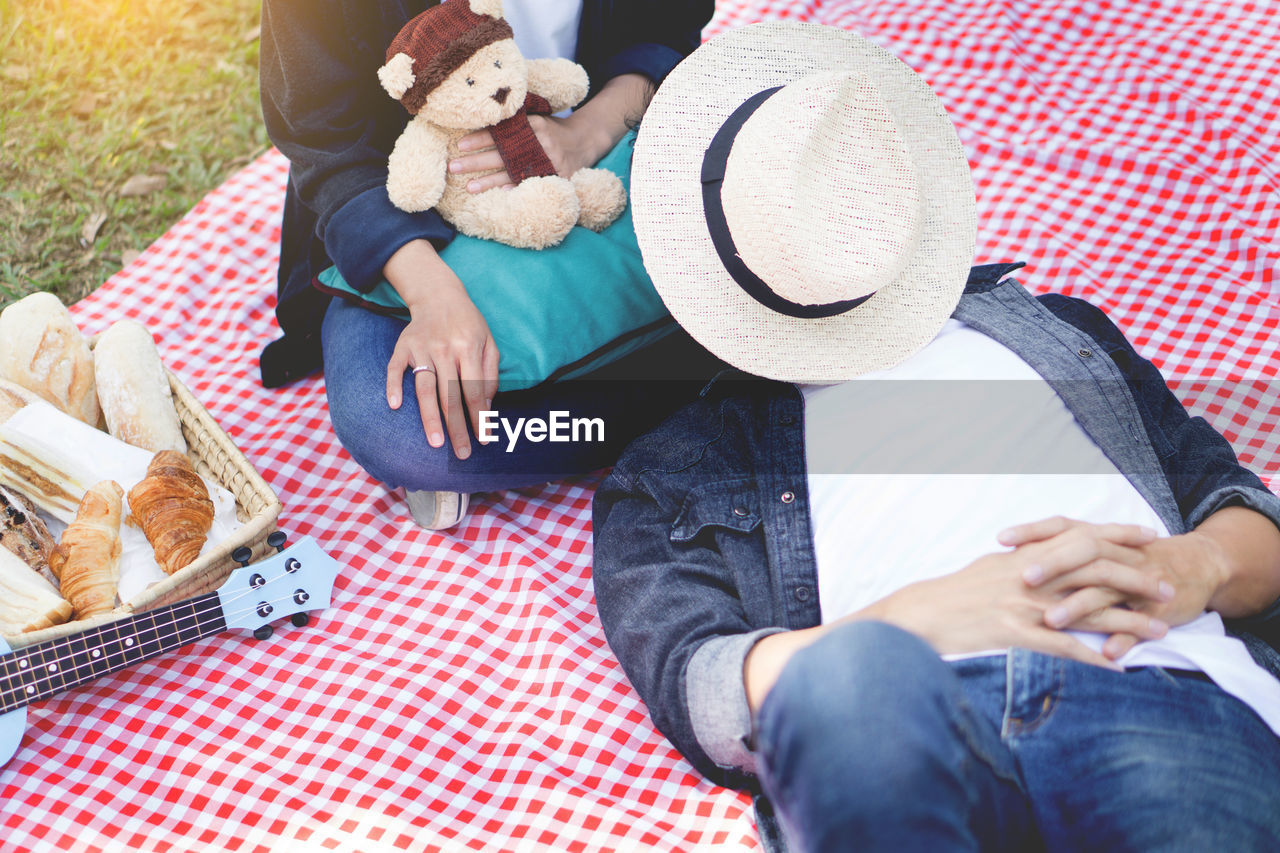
(787, 497)
(802, 593)
(740, 511)
(1084, 353)
(787, 420)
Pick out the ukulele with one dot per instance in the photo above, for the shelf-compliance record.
(288, 583)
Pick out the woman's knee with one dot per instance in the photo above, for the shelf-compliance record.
(388, 443)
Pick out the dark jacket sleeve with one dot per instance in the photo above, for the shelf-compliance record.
(662, 605)
(1199, 463)
(325, 110)
(681, 574)
(647, 37)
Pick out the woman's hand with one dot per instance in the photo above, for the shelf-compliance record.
(572, 143)
(448, 339)
(568, 149)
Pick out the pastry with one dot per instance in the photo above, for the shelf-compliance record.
(24, 534)
(28, 602)
(173, 508)
(42, 350)
(133, 389)
(87, 559)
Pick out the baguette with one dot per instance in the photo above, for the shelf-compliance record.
(42, 350)
(133, 389)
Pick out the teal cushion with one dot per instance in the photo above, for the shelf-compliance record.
(554, 313)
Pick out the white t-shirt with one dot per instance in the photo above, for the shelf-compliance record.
(914, 470)
(544, 28)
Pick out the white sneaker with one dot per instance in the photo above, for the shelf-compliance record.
(437, 510)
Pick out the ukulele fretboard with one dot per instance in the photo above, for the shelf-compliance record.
(40, 671)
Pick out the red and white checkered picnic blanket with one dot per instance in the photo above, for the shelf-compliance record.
(459, 693)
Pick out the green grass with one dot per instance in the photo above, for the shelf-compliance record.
(94, 92)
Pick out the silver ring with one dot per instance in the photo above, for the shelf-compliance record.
(423, 367)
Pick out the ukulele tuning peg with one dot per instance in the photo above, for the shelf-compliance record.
(299, 619)
(276, 540)
(263, 632)
(242, 555)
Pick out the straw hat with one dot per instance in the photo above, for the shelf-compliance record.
(803, 203)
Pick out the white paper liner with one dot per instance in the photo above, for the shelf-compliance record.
(97, 456)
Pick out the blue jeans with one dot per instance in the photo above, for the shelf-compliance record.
(869, 741)
(630, 396)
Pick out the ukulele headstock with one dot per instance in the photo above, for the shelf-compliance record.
(290, 583)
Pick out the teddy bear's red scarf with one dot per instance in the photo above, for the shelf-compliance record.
(521, 152)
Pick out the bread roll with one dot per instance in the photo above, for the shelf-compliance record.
(87, 560)
(28, 602)
(42, 350)
(174, 510)
(12, 398)
(133, 389)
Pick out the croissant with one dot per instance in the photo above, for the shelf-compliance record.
(87, 560)
(173, 508)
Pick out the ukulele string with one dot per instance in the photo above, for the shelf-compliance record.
(59, 669)
(223, 602)
(199, 611)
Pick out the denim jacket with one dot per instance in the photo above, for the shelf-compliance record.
(703, 535)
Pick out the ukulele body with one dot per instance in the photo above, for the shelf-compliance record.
(12, 724)
(288, 583)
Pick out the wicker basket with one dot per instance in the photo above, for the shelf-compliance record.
(217, 458)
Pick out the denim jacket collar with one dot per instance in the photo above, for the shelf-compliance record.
(1091, 385)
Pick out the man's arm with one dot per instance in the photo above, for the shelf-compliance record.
(671, 614)
(1199, 464)
(1245, 545)
(1092, 578)
(987, 605)
(1229, 564)
(1203, 473)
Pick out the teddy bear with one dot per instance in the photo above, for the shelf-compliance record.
(456, 69)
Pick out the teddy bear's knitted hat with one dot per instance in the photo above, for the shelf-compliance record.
(432, 46)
